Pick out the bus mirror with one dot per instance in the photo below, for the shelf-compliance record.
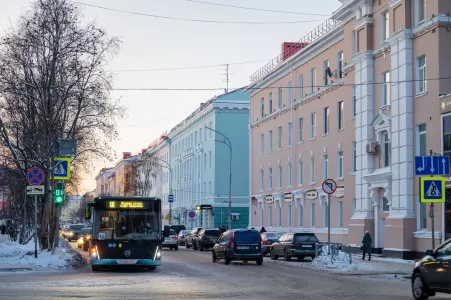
(166, 231)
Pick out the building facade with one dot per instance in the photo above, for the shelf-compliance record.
(355, 100)
(200, 163)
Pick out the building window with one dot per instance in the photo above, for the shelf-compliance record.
(279, 137)
(301, 86)
(279, 216)
(340, 64)
(312, 170)
(270, 103)
(289, 212)
(340, 115)
(209, 158)
(200, 136)
(325, 215)
(270, 178)
(326, 121)
(353, 42)
(300, 121)
(262, 179)
(354, 205)
(279, 176)
(385, 26)
(205, 161)
(386, 97)
(290, 134)
(289, 174)
(340, 214)
(421, 75)
(312, 214)
(270, 216)
(270, 141)
(211, 132)
(386, 150)
(340, 165)
(262, 144)
(210, 192)
(261, 215)
(313, 80)
(421, 140)
(419, 12)
(325, 166)
(300, 215)
(354, 101)
(290, 92)
(205, 134)
(300, 172)
(354, 156)
(385, 206)
(279, 98)
(262, 107)
(326, 73)
(312, 125)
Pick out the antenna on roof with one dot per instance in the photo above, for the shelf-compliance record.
(227, 74)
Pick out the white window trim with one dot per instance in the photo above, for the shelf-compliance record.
(312, 170)
(418, 83)
(325, 166)
(417, 138)
(342, 159)
(299, 173)
(382, 143)
(385, 101)
(326, 120)
(279, 137)
(312, 132)
(270, 137)
(340, 57)
(290, 134)
(383, 29)
(340, 116)
(290, 175)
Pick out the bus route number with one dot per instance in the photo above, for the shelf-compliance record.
(126, 204)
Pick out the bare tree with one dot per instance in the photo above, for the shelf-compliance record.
(146, 170)
(53, 85)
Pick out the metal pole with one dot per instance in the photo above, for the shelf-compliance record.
(229, 223)
(328, 222)
(170, 193)
(35, 226)
(432, 208)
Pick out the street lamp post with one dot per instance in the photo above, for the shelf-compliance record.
(227, 142)
(168, 166)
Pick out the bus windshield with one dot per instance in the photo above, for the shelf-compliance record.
(127, 224)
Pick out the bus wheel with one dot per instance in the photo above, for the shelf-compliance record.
(152, 268)
(95, 268)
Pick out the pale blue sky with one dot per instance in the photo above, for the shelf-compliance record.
(151, 43)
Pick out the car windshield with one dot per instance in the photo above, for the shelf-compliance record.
(172, 232)
(305, 238)
(212, 233)
(76, 227)
(86, 230)
(272, 235)
(183, 232)
(247, 236)
(127, 224)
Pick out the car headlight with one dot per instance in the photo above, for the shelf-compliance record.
(71, 233)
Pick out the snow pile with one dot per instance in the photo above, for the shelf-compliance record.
(14, 254)
(341, 261)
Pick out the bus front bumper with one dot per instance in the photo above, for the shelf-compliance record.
(126, 262)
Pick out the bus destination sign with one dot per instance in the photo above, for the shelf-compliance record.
(126, 204)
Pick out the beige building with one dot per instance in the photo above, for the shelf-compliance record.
(355, 100)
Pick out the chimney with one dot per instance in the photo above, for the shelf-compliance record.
(289, 49)
(126, 155)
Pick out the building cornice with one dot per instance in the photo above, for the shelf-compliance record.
(441, 20)
(363, 21)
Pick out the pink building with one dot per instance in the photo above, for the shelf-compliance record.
(356, 102)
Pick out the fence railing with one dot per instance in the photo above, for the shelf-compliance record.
(332, 253)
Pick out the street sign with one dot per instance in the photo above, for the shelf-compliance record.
(35, 176)
(170, 198)
(432, 189)
(329, 186)
(431, 165)
(192, 214)
(61, 168)
(67, 148)
(35, 190)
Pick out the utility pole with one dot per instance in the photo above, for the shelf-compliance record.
(226, 77)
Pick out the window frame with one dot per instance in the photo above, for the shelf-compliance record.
(290, 134)
(421, 83)
(340, 115)
(326, 120)
(386, 89)
(340, 164)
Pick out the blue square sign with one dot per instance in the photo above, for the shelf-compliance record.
(432, 189)
(61, 168)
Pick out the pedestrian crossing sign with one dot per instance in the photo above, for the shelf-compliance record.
(432, 189)
(61, 168)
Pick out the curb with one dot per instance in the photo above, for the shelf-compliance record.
(76, 260)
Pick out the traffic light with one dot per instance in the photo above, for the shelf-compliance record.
(59, 193)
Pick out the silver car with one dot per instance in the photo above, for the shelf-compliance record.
(182, 237)
(171, 241)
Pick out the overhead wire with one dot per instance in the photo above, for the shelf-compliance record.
(194, 20)
(257, 9)
(156, 121)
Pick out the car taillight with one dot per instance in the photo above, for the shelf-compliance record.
(268, 242)
(232, 240)
(176, 237)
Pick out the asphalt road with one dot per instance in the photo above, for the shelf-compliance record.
(188, 274)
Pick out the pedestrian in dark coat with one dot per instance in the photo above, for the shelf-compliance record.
(366, 245)
(262, 230)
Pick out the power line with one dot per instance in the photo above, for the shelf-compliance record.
(192, 67)
(273, 87)
(259, 9)
(155, 121)
(194, 20)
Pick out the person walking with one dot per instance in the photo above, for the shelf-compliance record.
(367, 241)
(262, 230)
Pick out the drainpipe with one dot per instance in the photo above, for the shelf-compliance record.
(293, 138)
(250, 167)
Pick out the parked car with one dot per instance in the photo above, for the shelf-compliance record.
(206, 239)
(191, 236)
(268, 238)
(299, 245)
(432, 273)
(171, 241)
(74, 232)
(238, 244)
(85, 237)
(177, 228)
(182, 237)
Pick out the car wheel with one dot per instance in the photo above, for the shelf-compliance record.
(69, 240)
(273, 255)
(419, 290)
(187, 246)
(201, 247)
(260, 261)
(213, 256)
(227, 261)
(95, 268)
(286, 256)
(300, 258)
(152, 268)
(176, 248)
(313, 257)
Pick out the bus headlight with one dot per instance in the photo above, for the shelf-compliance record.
(94, 254)
(158, 254)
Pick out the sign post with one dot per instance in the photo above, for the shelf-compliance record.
(35, 177)
(329, 187)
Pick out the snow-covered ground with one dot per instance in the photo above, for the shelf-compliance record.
(14, 255)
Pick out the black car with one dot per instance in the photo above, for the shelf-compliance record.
(238, 244)
(189, 241)
(269, 238)
(207, 238)
(433, 273)
(85, 237)
(74, 232)
(299, 245)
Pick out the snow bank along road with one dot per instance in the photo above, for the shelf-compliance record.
(187, 274)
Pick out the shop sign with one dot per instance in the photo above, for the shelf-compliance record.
(269, 199)
(340, 192)
(448, 182)
(288, 198)
(312, 195)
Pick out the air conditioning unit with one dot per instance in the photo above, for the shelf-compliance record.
(372, 148)
(235, 216)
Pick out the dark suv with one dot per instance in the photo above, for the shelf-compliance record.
(238, 244)
(207, 238)
(74, 232)
(299, 245)
(432, 273)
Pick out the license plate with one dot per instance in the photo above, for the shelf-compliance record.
(126, 261)
(307, 246)
(167, 239)
(242, 247)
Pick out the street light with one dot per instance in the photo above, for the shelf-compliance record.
(168, 166)
(227, 142)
